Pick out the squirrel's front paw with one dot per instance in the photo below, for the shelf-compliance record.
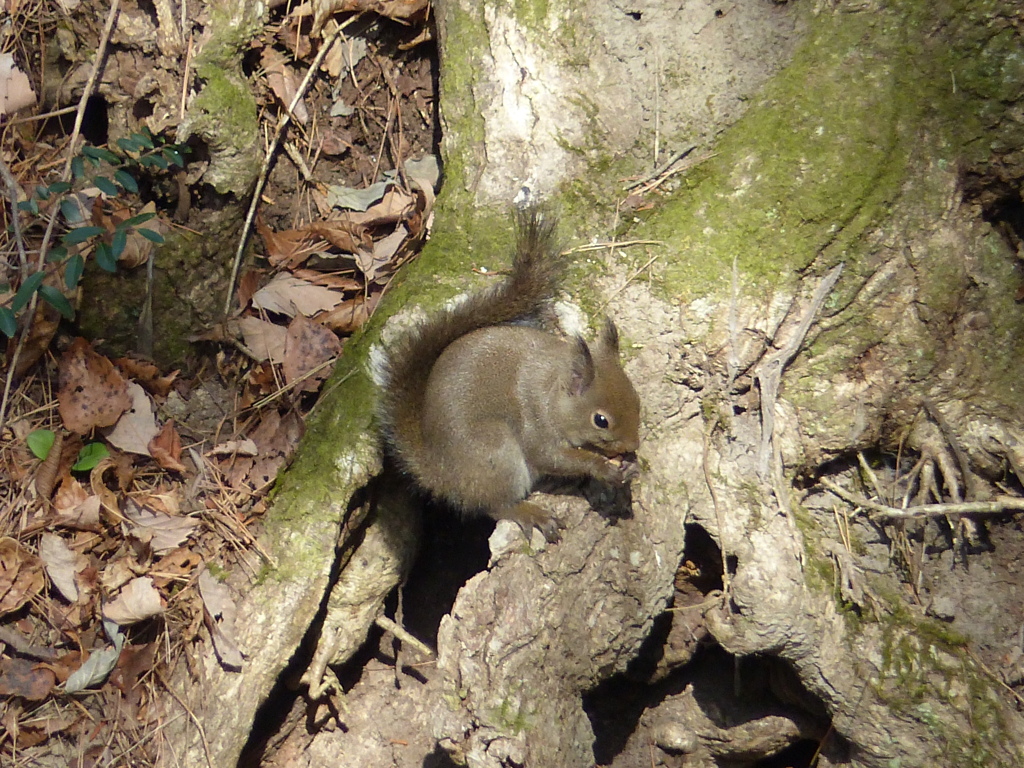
(620, 470)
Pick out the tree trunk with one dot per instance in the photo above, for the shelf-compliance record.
(782, 399)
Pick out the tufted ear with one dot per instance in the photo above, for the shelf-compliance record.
(582, 368)
(609, 338)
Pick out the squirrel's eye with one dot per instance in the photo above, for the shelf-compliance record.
(600, 420)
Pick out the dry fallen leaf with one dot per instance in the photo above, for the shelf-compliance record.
(220, 614)
(15, 89)
(92, 392)
(20, 677)
(283, 82)
(61, 565)
(166, 448)
(137, 426)
(161, 531)
(21, 575)
(147, 374)
(263, 340)
(138, 600)
(309, 346)
(289, 295)
(349, 316)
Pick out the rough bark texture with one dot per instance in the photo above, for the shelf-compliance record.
(871, 147)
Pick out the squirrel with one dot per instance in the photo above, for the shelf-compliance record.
(476, 408)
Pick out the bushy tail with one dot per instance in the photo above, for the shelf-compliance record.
(527, 292)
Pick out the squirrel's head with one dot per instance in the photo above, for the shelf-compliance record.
(604, 408)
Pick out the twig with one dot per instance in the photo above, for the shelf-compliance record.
(997, 506)
(661, 170)
(769, 372)
(12, 194)
(268, 160)
(30, 313)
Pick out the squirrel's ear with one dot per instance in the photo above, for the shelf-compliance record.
(582, 368)
(609, 338)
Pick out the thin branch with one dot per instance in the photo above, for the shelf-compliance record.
(997, 506)
(769, 372)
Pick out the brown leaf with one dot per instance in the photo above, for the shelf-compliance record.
(166, 448)
(347, 317)
(263, 340)
(162, 531)
(61, 565)
(92, 392)
(46, 477)
(147, 374)
(345, 234)
(137, 426)
(220, 619)
(20, 677)
(21, 575)
(290, 295)
(138, 600)
(290, 248)
(283, 82)
(44, 328)
(308, 347)
(407, 11)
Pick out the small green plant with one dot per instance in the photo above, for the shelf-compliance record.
(139, 151)
(40, 442)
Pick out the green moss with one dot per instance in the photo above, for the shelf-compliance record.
(808, 168)
(925, 663)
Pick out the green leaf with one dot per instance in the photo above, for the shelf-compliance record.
(105, 258)
(73, 271)
(145, 138)
(129, 145)
(56, 253)
(59, 187)
(126, 180)
(31, 205)
(95, 154)
(118, 243)
(77, 167)
(141, 218)
(174, 156)
(8, 324)
(40, 441)
(159, 162)
(21, 298)
(149, 234)
(43, 193)
(90, 455)
(106, 186)
(81, 234)
(57, 300)
(71, 211)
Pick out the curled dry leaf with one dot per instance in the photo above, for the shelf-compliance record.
(21, 575)
(46, 477)
(61, 565)
(147, 374)
(283, 82)
(166, 448)
(92, 391)
(137, 426)
(308, 348)
(290, 248)
(139, 600)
